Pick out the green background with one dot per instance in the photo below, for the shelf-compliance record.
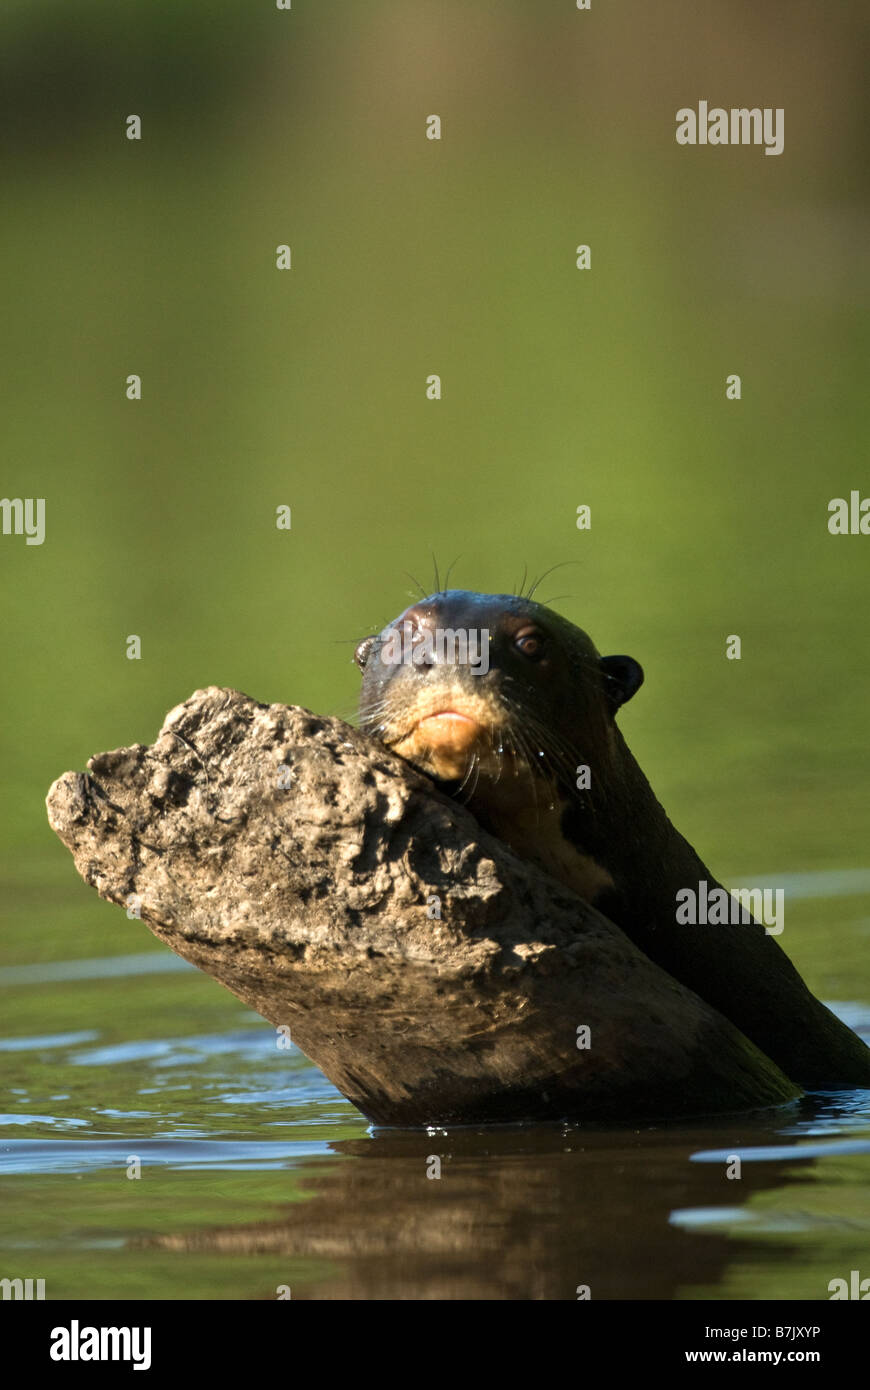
(307, 388)
(560, 387)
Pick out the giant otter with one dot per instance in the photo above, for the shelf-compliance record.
(508, 726)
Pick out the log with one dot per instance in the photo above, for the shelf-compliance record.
(433, 976)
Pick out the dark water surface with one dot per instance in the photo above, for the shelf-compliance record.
(263, 388)
(257, 1174)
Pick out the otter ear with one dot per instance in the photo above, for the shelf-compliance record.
(622, 677)
(361, 655)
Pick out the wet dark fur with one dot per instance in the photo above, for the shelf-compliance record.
(546, 715)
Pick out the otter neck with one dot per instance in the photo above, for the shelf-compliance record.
(629, 834)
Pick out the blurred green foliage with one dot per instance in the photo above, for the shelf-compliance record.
(560, 386)
(307, 388)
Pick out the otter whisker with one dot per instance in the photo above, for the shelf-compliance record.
(557, 598)
(473, 764)
(497, 745)
(539, 776)
(542, 577)
(449, 572)
(416, 581)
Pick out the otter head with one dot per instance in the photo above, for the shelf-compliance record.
(492, 694)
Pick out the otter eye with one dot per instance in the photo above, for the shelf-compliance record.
(531, 644)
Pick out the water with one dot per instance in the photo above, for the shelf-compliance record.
(560, 388)
(257, 1175)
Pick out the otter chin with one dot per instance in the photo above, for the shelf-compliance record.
(443, 743)
(511, 708)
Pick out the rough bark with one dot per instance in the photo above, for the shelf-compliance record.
(309, 893)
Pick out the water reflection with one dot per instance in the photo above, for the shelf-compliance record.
(534, 1212)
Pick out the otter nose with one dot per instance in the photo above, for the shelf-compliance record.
(427, 641)
(420, 627)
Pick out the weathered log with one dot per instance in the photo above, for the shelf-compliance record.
(304, 866)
